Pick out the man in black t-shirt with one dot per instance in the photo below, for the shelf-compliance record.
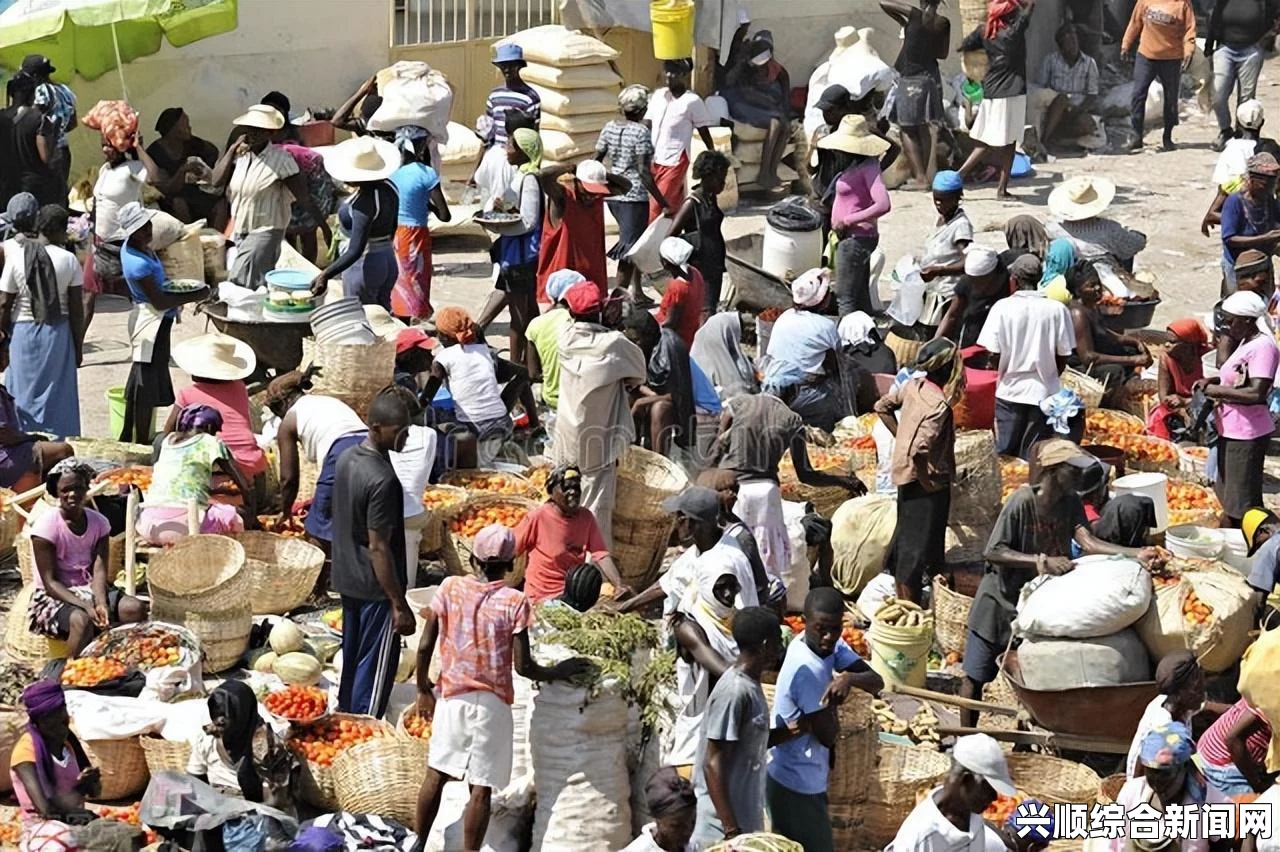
(369, 560)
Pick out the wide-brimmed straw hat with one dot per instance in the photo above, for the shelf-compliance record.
(215, 356)
(1081, 198)
(854, 136)
(361, 159)
(261, 116)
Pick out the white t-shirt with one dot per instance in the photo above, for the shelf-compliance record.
(320, 421)
(646, 843)
(14, 277)
(1233, 161)
(1029, 331)
(926, 830)
(803, 338)
(470, 375)
(673, 120)
(210, 759)
(413, 466)
(116, 187)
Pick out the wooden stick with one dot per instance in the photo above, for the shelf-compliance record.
(955, 700)
(131, 544)
(1043, 738)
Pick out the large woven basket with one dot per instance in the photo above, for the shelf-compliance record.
(950, 616)
(282, 571)
(1000, 693)
(902, 774)
(352, 373)
(1088, 388)
(1053, 780)
(855, 754)
(10, 521)
(975, 487)
(165, 755)
(639, 547)
(317, 780)
(123, 765)
(462, 544)
(112, 451)
(19, 642)
(641, 527)
(1109, 788)
(381, 776)
(825, 498)
(223, 635)
(1133, 462)
(434, 531)
(205, 573)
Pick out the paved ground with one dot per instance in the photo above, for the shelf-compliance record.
(1162, 194)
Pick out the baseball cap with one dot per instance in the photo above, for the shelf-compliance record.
(1250, 114)
(494, 543)
(833, 96)
(37, 63)
(700, 504)
(1254, 520)
(981, 755)
(1061, 451)
(593, 177)
(413, 338)
(584, 298)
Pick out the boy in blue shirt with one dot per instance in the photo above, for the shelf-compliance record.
(819, 671)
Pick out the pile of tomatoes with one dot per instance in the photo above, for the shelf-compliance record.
(291, 527)
(1101, 425)
(323, 741)
(148, 648)
(124, 478)
(1014, 473)
(417, 726)
(439, 498)
(852, 635)
(298, 703)
(88, 672)
(1145, 448)
(1194, 610)
(1189, 502)
(471, 521)
(859, 442)
(999, 811)
(490, 482)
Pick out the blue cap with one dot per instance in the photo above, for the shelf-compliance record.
(509, 53)
(948, 181)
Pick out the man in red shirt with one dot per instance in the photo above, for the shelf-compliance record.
(684, 301)
(482, 625)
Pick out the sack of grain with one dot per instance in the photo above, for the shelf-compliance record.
(560, 47)
(598, 76)
(413, 93)
(562, 146)
(576, 102)
(1209, 614)
(460, 145)
(1057, 664)
(1102, 596)
(575, 125)
(860, 533)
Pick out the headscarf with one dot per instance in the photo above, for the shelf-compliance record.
(780, 375)
(559, 282)
(633, 98)
(562, 474)
(997, 13)
(282, 387)
(938, 355)
(1190, 330)
(199, 418)
(234, 701)
(1175, 671)
(980, 260)
(41, 699)
(458, 324)
(1026, 234)
(1058, 258)
(531, 143)
(167, 119)
(858, 329)
(1167, 746)
(717, 349)
(709, 612)
(408, 136)
(1026, 271)
(668, 794)
(41, 277)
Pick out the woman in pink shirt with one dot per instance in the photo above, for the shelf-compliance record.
(1244, 421)
(861, 199)
(218, 365)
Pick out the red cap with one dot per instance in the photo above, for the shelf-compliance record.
(413, 338)
(584, 298)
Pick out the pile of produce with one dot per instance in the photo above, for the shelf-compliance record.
(1102, 426)
(759, 842)
(1195, 611)
(124, 478)
(88, 672)
(894, 612)
(999, 811)
(921, 729)
(439, 498)
(488, 481)
(333, 619)
(859, 442)
(298, 703)
(1144, 451)
(1190, 503)
(320, 742)
(291, 527)
(471, 521)
(145, 647)
(853, 636)
(14, 678)
(1014, 473)
(417, 726)
(295, 658)
(538, 477)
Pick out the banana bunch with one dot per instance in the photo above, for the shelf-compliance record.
(888, 721)
(923, 727)
(900, 613)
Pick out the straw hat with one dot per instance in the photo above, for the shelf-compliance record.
(854, 136)
(215, 356)
(361, 159)
(261, 116)
(1081, 198)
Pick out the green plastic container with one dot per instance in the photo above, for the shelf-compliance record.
(115, 414)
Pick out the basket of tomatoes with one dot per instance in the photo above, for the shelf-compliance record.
(131, 476)
(467, 519)
(92, 672)
(483, 482)
(298, 703)
(147, 646)
(1101, 425)
(437, 500)
(319, 743)
(1147, 453)
(1190, 503)
(413, 724)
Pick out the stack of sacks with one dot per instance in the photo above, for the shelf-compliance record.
(723, 139)
(748, 150)
(572, 74)
(459, 154)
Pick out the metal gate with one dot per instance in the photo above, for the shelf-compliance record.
(420, 22)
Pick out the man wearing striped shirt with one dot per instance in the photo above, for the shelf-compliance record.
(513, 94)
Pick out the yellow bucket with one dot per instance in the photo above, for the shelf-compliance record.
(900, 654)
(672, 22)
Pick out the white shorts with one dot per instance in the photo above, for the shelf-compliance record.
(1000, 121)
(471, 738)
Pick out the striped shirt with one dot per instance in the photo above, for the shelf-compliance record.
(1213, 742)
(627, 145)
(1079, 79)
(500, 100)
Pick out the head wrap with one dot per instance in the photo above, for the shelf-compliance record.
(1058, 258)
(560, 281)
(1263, 165)
(780, 375)
(72, 465)
(42, 698)
(22, 211)
(408, 136)
(234, 701)
(562, 474)
(810, 288)
(531, 143)
(199, 417)
(167, 119)
(858, 329)
(1243, 303)
(1026, 271)
(948, 181)
(717, 348)
(1250, 261)
(998, 11)
(1175, 671)
(1167, 746)
(667, 794)
(457, 323)
(282, 387)
(1190, 330)
(942, 355)
(1026, 234)
(980, 260)
(633, 99)
(494, 543)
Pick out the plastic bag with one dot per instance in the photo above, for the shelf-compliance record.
(644, 253)
(908, 301)
(116, 121)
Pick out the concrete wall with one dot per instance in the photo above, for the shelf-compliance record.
(315, 51)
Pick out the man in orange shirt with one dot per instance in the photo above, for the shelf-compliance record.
(1164, 33)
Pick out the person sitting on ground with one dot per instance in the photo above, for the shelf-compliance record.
(673, 806)
(717, 350)
(1025, 235)
(1233, 163)
(25, 458)
(864, 346)
(1068, 93)
(182, 156)
(805, 343)
(1077, 205)
(52, 775)
(413, 358)
(225, 755)
(559, 535)
(1181, 366)
(683, 303)
(758, 91)
(1032, 536)
(542, 356)
(470, 707)
(1251, 217)
(1180, 682)
(663, 406)
(1259, 527)
(73, 598)
(985, 282)
(469, 368)
(942, 264)
(1109, 356)
(950, 816)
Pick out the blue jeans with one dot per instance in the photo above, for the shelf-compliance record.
(1145, 72)
(1234, 66)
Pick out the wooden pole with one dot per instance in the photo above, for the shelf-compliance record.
(131, 543)
(1042, 738)
(955, 700)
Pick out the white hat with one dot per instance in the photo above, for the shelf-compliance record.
(215, 356)
(133, 216)
(1081, 198)
(981, 755)
(361, 159)
(593, 177)
(1250, 114)
(261, 116)
(811, 288)
(677, 251)
(980, 260)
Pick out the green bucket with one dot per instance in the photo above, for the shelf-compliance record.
(115, 414)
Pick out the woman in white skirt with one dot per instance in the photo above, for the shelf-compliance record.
(1002, 115)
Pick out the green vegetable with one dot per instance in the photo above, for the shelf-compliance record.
(759, 842)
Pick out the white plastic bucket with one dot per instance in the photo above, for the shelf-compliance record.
(1151, 485)
(1235, 552)
(1192, 542)
(788, 254)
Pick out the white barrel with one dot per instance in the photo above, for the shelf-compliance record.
(787, 254)
(1151, 485)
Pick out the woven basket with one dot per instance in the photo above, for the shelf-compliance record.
(856, 751)
(902, 774)
(967, 543)
(407, 713)
(1053, 780)
(205, 573)
(950, 616)
(1109, 788)
(462, 544)
(112, 451)
(352, 373)
(223, 635)
(317, 781)
(645, 479)
(165, 755)
(1088, 388)
(975, 487)
(19, 642)
(639, 547)
(10, 521)
(1000, 693)
(825, 499)
(381, 776)
(434, 531)
(123, 765)
(282, 571)
(488, 483)
(1133, 463)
